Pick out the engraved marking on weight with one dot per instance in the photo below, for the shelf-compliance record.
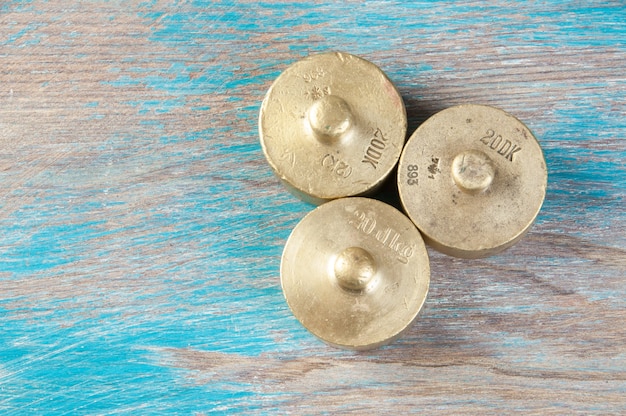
(392, 287)
(289, 157)
(388, 237)
(365, 224)
(313, 75)
(374, 151)
(316, 92)
(336, 165)
(433, 169)
(412, 174)
(503, 147)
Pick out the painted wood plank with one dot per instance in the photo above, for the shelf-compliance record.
(141, 229)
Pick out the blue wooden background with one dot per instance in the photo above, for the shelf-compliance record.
(141, 228)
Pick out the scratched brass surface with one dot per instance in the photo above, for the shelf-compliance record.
(332, 125)
(472, 178)
(355, 272)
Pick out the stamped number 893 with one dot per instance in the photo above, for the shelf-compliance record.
(412, 175)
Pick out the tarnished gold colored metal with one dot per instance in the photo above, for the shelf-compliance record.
(332, 125)
(472, 178)
(355, 272)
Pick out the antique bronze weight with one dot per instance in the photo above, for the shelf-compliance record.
(332, 125)
(355, 272)
(472, 178)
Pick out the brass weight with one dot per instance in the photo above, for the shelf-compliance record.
(472, 178)
(332, 125)
(355, 272)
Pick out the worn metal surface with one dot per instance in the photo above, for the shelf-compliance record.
(355, 273)
(472, 178)
(141, 229)
(332, 125)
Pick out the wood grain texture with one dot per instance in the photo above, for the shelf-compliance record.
(141, 228)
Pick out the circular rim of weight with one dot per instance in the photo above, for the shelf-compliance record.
(354, 320)
(301, 161)
(443, 212)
